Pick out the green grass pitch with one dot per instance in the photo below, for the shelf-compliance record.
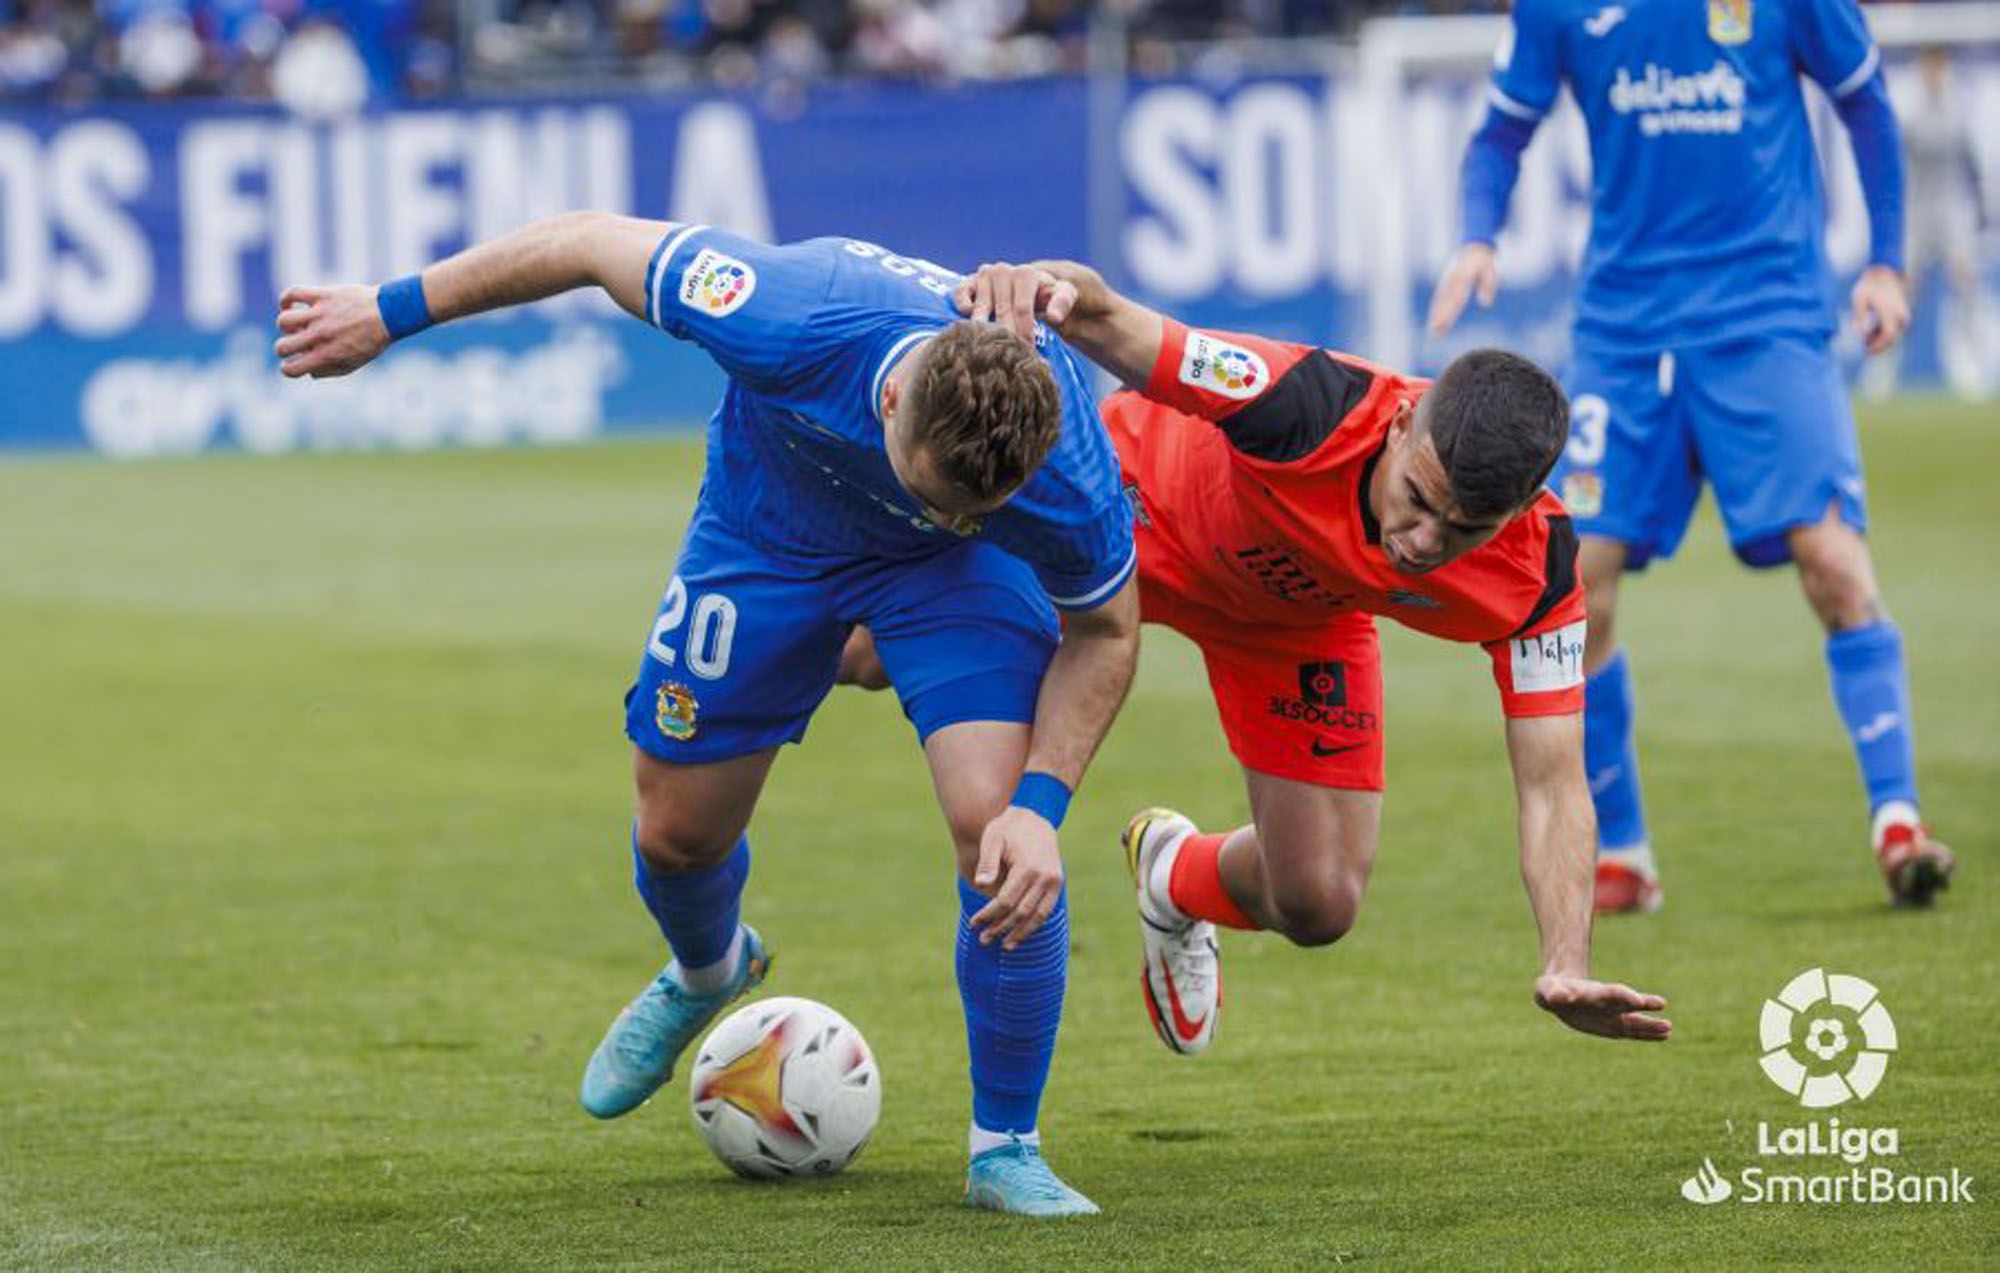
(314, 897)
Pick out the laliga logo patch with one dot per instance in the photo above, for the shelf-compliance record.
(716, 284)
(1729, 21)
(1826, 1038)
(675, 710)
(1209, 364)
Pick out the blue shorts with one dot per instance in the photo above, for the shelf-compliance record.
(747, 641)
(1765, 420)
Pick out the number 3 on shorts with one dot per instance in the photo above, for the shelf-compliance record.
(710, 632)
(1590, 417)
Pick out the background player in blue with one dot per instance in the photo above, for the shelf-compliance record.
(1702, 347)
(873, 461)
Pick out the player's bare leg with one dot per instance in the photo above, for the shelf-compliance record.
(1012, 997)
(1865, 654)
(690, 862)
(1300, 869)
(1627, 880)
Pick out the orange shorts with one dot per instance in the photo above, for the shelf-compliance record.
(1303, 703)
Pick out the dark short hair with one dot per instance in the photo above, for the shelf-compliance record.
(1499, 423)
(984, 409)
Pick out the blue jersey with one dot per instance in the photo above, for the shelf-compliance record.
(1707, 209)
(796, 462)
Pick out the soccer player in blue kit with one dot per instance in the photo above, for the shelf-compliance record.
(875, 461)
(1703, 348)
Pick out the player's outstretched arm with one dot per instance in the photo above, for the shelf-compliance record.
(331, 331)
(1020, 862)
(1558, 834)
(1113, 331)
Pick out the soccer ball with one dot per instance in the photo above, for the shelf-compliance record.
(785, 1087)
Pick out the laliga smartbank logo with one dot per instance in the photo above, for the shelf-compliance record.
(1826, 1039)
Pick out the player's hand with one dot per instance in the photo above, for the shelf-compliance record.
(1014, 296)
(328, 331)
(1881, 307)
(1602, 1007)
(1473, 272)
(1020, 867)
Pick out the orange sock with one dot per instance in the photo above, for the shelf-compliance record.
(1195, 888)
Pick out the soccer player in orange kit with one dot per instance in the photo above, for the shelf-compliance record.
(1285, 495)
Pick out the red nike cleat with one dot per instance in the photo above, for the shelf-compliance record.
(1627, 890)
(1915, 866)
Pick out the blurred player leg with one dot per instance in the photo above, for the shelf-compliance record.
(1626, 877)
(1628, 479)
(1870, 681)
(1778, 437)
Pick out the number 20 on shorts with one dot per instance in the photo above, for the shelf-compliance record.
(710, 631)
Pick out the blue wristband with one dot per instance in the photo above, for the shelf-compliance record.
(1044, 794)
(402, 306)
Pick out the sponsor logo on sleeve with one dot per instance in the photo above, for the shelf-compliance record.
(1222, 368)
(717, 284)
(1549, 662)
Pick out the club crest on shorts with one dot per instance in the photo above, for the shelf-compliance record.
(1218, 367)
(1583, 494)
(1729, 21)
(717, 284)
(675, 711)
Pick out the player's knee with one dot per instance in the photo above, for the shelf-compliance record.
(1318, 917)
(1838, 578)
(671, 844)
(967, 816)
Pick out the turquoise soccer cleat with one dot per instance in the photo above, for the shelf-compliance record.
(1016, 1178)
(639, 1050)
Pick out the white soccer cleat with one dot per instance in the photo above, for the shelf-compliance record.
(1182, 976)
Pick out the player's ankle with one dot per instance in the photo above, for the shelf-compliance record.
(1633, 857)
(979, 1140)
(1892, 813)
(1159, 878)
(714, 978)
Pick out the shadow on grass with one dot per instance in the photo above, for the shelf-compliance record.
(1853, 913)
(1178, 1135)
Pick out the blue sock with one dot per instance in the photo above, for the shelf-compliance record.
(697, 910)
(1610, 757)
(1872, 690)
(1013, 1004)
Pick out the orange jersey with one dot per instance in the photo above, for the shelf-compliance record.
(1251, 460)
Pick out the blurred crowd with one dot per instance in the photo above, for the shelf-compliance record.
(340, 51)
(328, 55)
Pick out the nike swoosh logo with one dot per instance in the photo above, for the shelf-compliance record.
(1190, 1031)
(1319, 748)
(1874, 729)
